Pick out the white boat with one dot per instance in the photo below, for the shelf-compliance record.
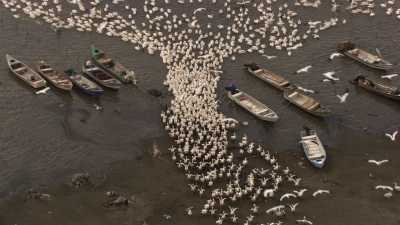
(252, 105)
(313, 148)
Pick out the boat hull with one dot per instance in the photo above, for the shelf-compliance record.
(320, 112)
(28, 74)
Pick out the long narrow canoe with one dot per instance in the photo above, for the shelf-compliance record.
(100, 76)
(252, 105)
(84, 84)
(305, 102)
(111, 66)
(59, 80)
(313, 147)
(268, 76)
(25, 73)
(350, 50)
(378, 87)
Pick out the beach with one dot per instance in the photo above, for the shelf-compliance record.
(45, 139)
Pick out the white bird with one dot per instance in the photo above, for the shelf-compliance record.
(343, 97)
(300, 193)
(269, 56)
(293, 207)
(388, 195)
(334, 55)
(306, 90)
(318, 192)
(43, 91)
(390, 76)
(97, 107)
(383, 187)
(378, 163)
(396, 186)
(304, 221)
(392, 136)
(275, 208)
(198, 10)
(304, 69)
(287, 195)
(330, 76)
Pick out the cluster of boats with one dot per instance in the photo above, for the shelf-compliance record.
(98, 73)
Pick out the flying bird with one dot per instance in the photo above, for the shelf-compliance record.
(287, 195)
(300, 193)
(334, 55)
(304, 221)
(319, 192)
(383, 187)
(330, 76)
(378, 163)
(269, 56)
(392, 136)
(198, 10)
(43, 91)
(390, 76)
(344, 96)
(306, 90)
(275, 208)
(304, 69)
(293, 206)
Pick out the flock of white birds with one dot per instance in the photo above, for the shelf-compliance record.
(193, 38)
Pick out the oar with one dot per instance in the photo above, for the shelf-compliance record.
(378, 52)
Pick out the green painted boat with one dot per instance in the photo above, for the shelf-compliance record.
(115, 68)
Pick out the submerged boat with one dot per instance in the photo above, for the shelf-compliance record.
(54, 77)
(268, 76)
(25, 73)
(84, 84)
(313, 148)
(305, 102)
(111, 66)
(377, 87)
(251, 104)
(100, 76)
(350, 50)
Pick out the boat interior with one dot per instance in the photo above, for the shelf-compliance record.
(304, 100)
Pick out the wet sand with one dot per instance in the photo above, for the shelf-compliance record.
(45, 139)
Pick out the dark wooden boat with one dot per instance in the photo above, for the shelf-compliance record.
(84, 84)
(350, 50)
(111, 66)
(378, 87)
(268, 76)
(251, 104)
(100, 76)
(59, 80)
(313, 147)
(305, 102)
(25, 73)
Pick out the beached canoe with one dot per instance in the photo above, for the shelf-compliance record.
(350, 50)
(251, 104)
(100, 76)
(378, 87)
(268, 76)
(305, 102)
(59, 80)
(111, 66)
(25, 73)
(84, 84)
(313, 148)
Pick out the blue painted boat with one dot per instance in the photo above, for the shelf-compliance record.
(84, 84)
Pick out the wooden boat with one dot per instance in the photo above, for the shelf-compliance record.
(251, 104)
(305, 102)
(25, 73)
(350, 50)
(84, 84)
(378, 87)
(268, 76)
(313, 148)
(100, 76)
(54, 77)
(114, 68)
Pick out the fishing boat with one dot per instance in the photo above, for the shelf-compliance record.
(305, 102)
(100, 76)
(111, 66)
(378, 87)
(251, 104)
(54, 77)
(25, 73)
(350, 50)
(313, 148)
(268, 76)
(84, 84)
